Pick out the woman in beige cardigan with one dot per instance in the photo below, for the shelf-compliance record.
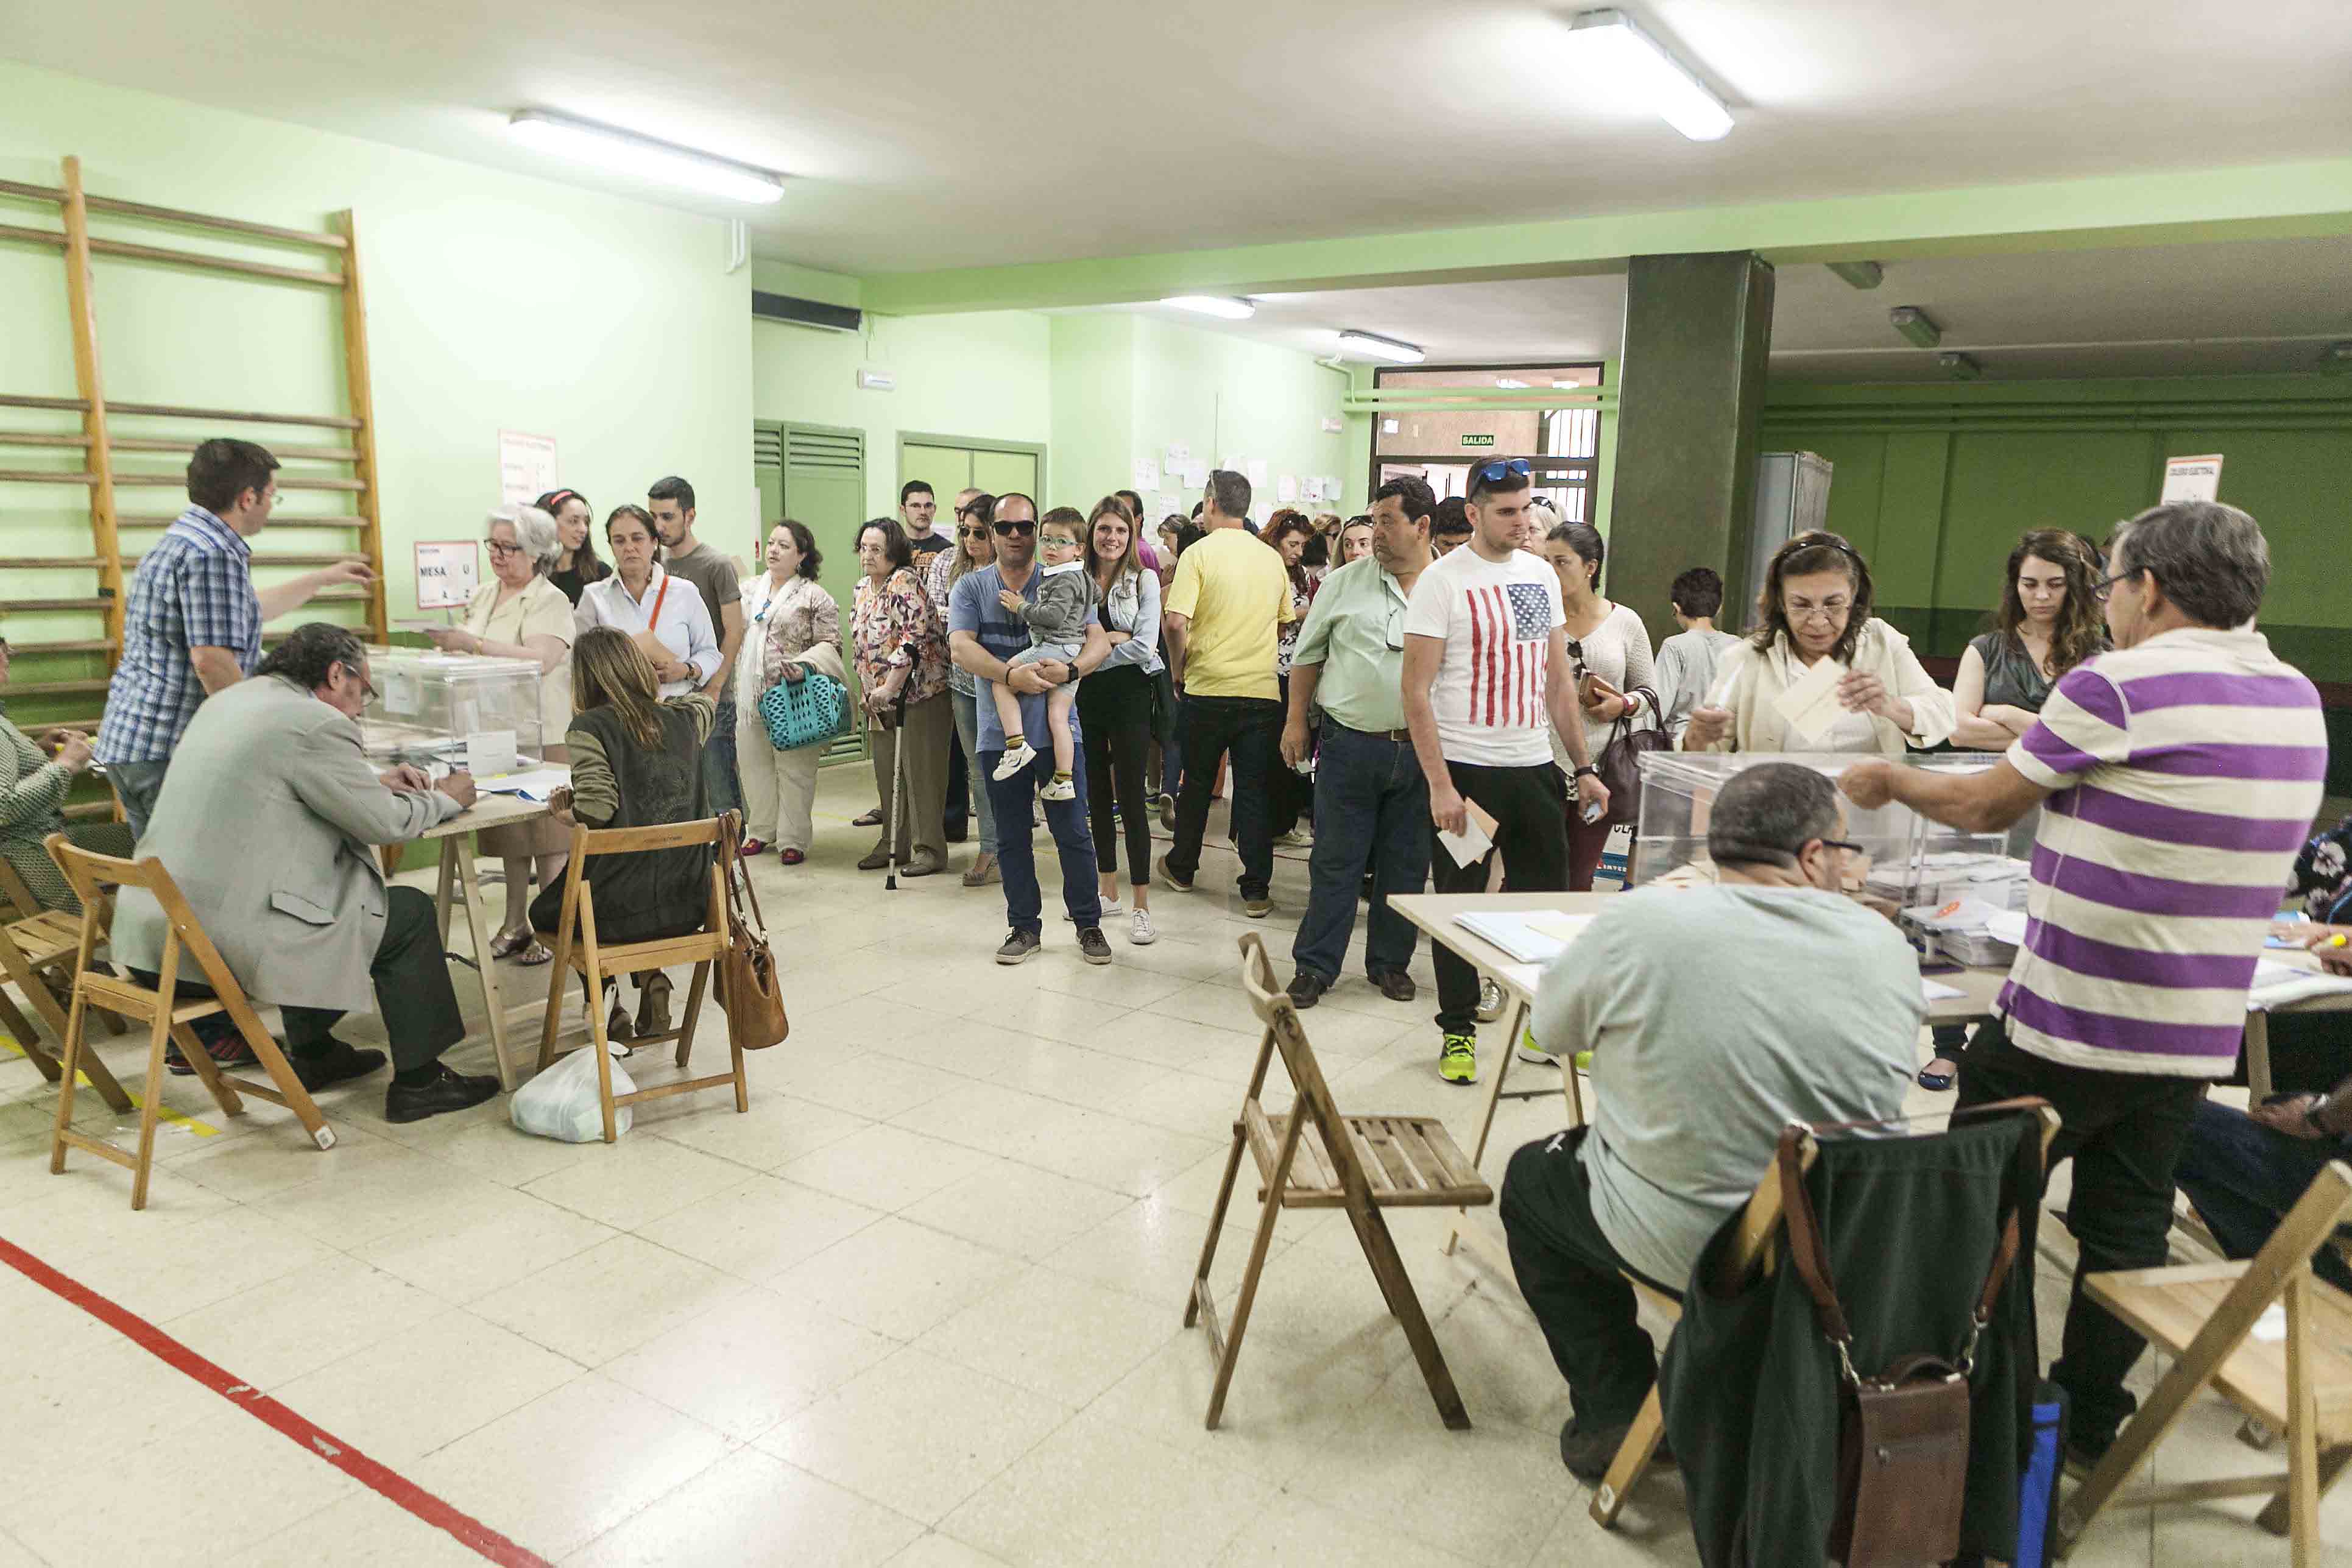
(1816, 606)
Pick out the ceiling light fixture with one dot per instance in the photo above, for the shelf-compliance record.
(1221, 305)
(1860, 274)
(1389, 349)
(1913, 324)
(1964, 368)
(1512, 383)
(625, 152)
(2335, 359)
(1616, 47)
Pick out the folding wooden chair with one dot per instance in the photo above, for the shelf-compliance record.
(167, 1016)
(36, 955)
(2205, 1315)
(593, 961)
(1751, 1252)
(1317, 1158)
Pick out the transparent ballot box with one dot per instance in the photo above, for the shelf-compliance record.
(1905, 858)
(454, 710)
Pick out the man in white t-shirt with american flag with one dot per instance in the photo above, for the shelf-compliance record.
(1487, 672)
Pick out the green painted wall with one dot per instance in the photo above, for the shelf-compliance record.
(1935, 484)
(495, 300)
(1225, 397)
(986, 376)
(1094, 406)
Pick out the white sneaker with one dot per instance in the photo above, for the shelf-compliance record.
(1109, 908)
(1490, 1001)
(1058, 789)
(1015, 760)
(1141, 932)
(1531, 1052)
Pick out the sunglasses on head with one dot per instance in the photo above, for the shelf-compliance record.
(1500, 468)
(1015, 525)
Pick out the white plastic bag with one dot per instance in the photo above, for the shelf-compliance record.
(561, 1102)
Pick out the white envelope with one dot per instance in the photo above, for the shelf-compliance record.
(1811, 705)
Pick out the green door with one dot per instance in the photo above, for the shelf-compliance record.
(1000, 473)
(951, 463)
(815, 474)
(946, 470)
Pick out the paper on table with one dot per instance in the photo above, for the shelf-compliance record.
(535, 784)
(1531, 936)
(1811, 705)
(1476, 838)
(1931, 991)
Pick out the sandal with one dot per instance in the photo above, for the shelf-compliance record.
(791, 857)
(1935, 1082)
(523, 947)
(752, 848)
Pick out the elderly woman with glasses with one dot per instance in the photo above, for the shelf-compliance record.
(1816, 607)
(518, 614)
(34, 780)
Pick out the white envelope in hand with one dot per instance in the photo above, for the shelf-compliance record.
(1810, 706)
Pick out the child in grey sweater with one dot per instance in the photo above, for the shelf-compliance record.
(1057, 629)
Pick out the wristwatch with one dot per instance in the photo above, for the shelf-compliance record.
(1587, 768)
(2311, 1116)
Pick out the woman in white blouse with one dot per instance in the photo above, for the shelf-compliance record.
(518, 614)
(787, 618)
(1816, 606)
(1616, 676)
(664, 614)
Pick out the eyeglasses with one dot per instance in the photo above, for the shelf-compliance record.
(1833, 610)
(502, 550)
(1850, 848)
(1023, 525)
(361, 675)
(2106, 585)
(971, 532)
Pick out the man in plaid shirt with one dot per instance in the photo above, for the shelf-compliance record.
(192, 625)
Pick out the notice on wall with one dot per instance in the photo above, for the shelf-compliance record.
(2191, 479)
(1177, 458)
(1285, 490)
(448, 572)
(526, 466)
(1146, 476)
(1257, 470)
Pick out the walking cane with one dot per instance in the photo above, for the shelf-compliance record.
(897, 781)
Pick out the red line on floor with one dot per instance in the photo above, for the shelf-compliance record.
(304, 1433)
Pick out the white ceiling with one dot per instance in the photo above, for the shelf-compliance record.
(926, 135)
(2229, 308)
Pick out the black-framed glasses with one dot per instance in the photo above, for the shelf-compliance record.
(361, 675)
(1023, 525)
(1847, 845)
(979, 532)
(2106, 585)
(1492, 472)
(503, 550)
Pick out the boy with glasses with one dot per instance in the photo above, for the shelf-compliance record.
(1487, 669)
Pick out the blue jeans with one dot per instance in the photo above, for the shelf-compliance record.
(724, 791)
(2244, 1177)
(1371, 806)
(967, 724)
(137, 785)
(1017, 855)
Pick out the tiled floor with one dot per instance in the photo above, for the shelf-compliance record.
(921, 1306)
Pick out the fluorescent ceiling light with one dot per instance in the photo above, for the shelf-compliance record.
(1511, 381)
(1614, 47)
(627, 152)
(1964, 368)
(1381, 348)
(1916, 324)
(1225, 305)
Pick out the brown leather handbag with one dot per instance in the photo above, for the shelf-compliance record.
(1903, 1435)
(749, 989)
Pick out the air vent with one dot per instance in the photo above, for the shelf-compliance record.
(806, 313)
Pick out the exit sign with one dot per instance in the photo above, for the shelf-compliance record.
(1477, 440)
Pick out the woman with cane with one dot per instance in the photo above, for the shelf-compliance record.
(902, 675)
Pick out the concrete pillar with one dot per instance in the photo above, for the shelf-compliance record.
(1690, 396)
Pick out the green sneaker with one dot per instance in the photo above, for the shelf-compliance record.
(1457, 1058)
(1583, 1061)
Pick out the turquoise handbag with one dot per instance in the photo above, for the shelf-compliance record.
(805, 712)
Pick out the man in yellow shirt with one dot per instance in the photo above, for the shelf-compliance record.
(1230, 595)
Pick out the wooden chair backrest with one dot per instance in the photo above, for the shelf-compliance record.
(93, 875)
(16, 900)
(580, 911)
(1285, 1032)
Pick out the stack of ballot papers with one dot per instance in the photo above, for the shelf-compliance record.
(2280, 984)
(1964, 928)
(1956, 874)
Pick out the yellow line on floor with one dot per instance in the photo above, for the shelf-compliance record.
(163, 1112)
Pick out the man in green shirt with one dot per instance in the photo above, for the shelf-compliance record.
(1371, 800)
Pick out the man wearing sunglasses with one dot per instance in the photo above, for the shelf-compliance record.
(982, 637)
(1487, 671)
(270, 822)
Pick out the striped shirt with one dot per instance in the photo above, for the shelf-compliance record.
(1496, 620)
(2188, 769)
(193, 590)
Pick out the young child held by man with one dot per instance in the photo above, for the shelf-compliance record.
(1057, 629)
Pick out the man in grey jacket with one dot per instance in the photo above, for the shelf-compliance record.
(268, 822)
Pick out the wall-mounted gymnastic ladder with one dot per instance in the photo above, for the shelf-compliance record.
(110, 428)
